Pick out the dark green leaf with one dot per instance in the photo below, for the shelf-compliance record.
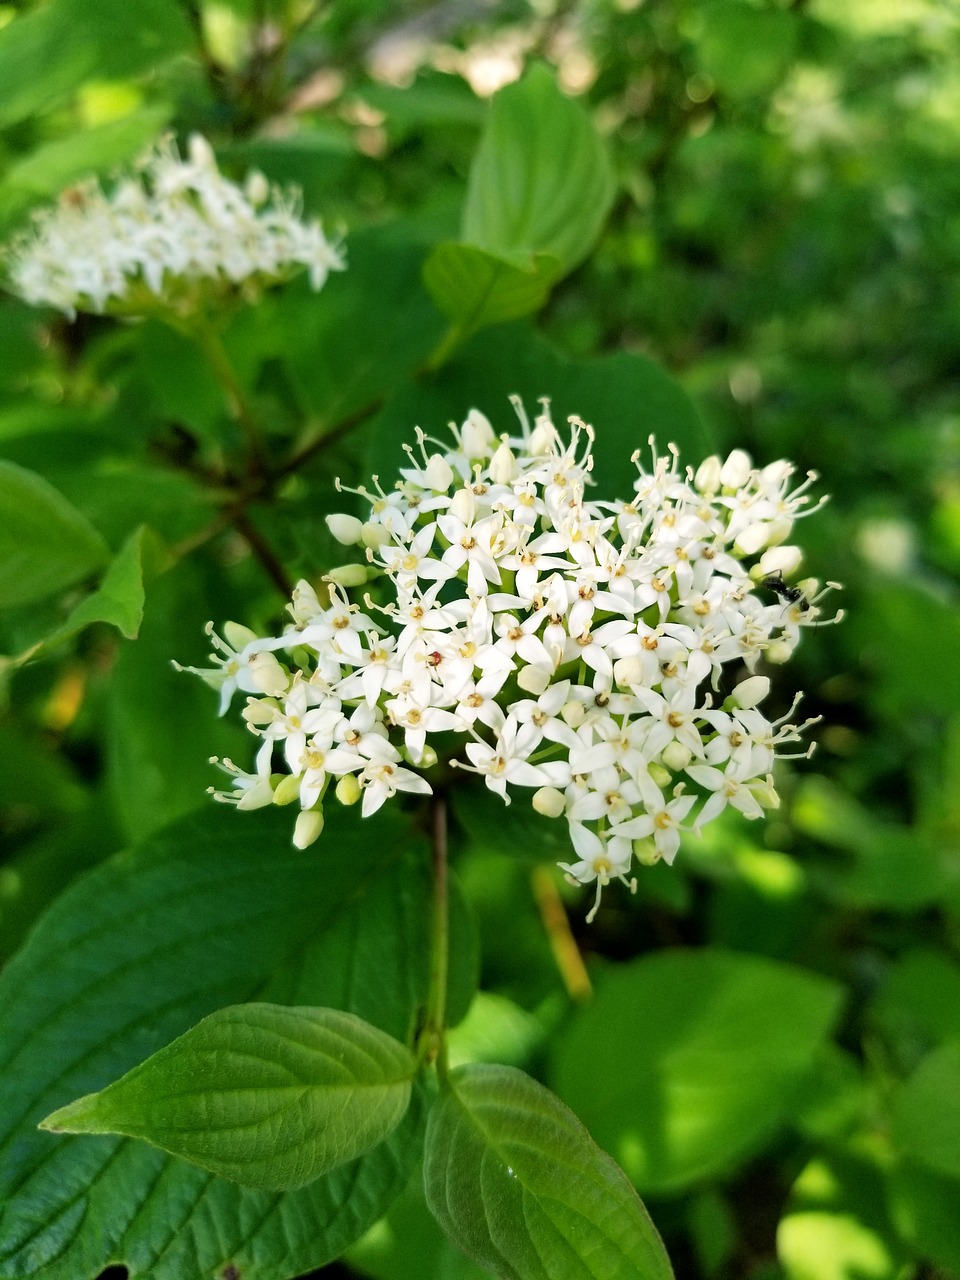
(924, 1206)
(261, 1094)
(927, 1112)
(217, 910)
(476, 288)
(541, 181)
(45, 543)
(516, 1181)
(703, 1056)
(46, 54)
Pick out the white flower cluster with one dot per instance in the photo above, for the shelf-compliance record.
(176, 223)
(578, 648)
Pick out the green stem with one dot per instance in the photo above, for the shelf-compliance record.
(445, 348)
(215, 352)
(433, 1043)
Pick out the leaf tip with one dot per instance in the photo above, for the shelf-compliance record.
(75, 1117)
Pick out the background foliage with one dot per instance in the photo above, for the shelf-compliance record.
(771, 1050)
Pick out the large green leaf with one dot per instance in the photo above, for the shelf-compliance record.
(263, 1095)
(927, 1112)
(703, 1054)
(516, 1181)
(541, 181)
(217, 910)
(46, 54)
(343, 356)
(45, 543)
(626, 397)
(476, 288)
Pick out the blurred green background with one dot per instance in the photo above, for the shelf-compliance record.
(785, 242)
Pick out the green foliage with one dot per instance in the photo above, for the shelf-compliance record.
(703, 1056)
(265, 1096)
(513, 1177)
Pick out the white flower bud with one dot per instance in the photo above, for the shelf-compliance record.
(707, 478)
(287, 789)
(267, 674)
(735, 472)
(661, 776)
(238, 636)
(439, 473)
(304, 605)
(348, 789)
(260, 794)
(428, 758)
(308, 827)
(628, 671)
(349, 575)
(374, 535)
(676, 756)
(765, 795)
(533, 679)
(347, 530)
(573, 713)
(542, 439)
(752, 538)
(260, 712)
(476, 435)
(646, 853)
(503, 465)
(549, 801)
(463, 505)
(201, 152)
(751, 692)
(780, 530)
(780, 560)
(256, 188)
(778, 652)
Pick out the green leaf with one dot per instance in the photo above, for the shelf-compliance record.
(745, 48)
(217, 910)
(476, 288)
(341, 358)
(265, 1096)
(516, 1181)
(926, 1117)
(923, 1206)
(626, 397)
(118, 600)
(541, 181)
(45, 172)
(919, 1001)
(46, 54)
(45, 543)
(703, 1057)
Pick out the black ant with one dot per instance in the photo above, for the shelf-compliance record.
(787, 593)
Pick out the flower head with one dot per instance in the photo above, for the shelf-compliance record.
(175, 225)
(587, 653)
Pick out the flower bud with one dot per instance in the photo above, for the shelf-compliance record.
(201, 152)
(347, 530)
(256, 187)
(348, 789)
(304, 605)
(646, 853)
(735, 472)
(542, 439)
(374, 535)
(532, 679)
(238, 636)
(349, 575)
(573, 713)
(778, 652)
(308, 827)
(463, 505)
(476, 435)
(503, 465)
(260, 711)
(780, 560)
(260, 794)
(549, 801)
(765, 795)
(428, 758)
(752, 538)
(707, 478)
(288, 789)
(676, 756)
(780, 529)
(749, 693)
(439, 473)
(661, 776)
(628, 671)
(267, 674)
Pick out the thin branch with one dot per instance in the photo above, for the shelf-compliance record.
(264, 552)
(432, 1044)
(315, 446)
(566, 953)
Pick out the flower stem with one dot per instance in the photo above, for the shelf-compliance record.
(432, 1043)
(210, 343)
